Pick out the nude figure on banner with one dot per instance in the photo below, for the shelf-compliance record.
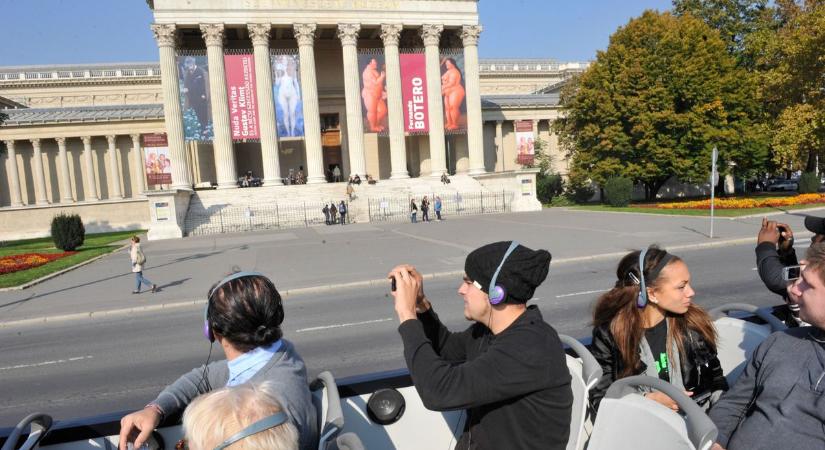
(453, 93)
(374, 96)
(289, 92)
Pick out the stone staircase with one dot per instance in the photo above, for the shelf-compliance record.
(268, 207)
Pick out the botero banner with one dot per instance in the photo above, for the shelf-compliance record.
(414, 93)
(241, 96)
(371, 65)
(452, 92)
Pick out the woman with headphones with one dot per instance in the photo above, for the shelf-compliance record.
(647, 324)
(243, 315)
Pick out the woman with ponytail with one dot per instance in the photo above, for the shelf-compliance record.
(647, 324)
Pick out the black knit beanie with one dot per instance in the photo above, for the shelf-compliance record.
(522, 272)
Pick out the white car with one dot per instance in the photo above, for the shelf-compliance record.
(787, 185)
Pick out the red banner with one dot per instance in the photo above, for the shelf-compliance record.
(414, 92)
(158, 164)
(241, 93)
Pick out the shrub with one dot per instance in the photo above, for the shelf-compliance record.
(579, 188)
(548, 187)
(808, 183)
(617, 191)
(68, 232)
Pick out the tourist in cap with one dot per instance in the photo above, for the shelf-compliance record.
(507, 369)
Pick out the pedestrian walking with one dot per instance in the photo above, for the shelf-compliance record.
(138, 260)
(350, 190)
(438, 208)
(413, 210)
(336, 174)
(333, 213)
(326, 213)
(342, 211)
(425, 209)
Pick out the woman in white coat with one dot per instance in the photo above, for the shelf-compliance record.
(138, 260)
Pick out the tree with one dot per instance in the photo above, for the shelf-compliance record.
(3, 118)
(655, 103)
(735, 20)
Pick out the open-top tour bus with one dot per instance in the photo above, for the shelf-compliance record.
(384, 411)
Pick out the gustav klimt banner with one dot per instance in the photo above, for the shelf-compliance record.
(242, 96)
(286, 90)
(193, 79)
(158, 163)
(373, 69)
(453, 93)
(414, 93)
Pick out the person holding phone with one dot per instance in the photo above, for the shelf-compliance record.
(775, 252)
(648, 324)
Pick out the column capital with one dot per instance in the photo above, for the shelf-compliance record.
(391, 34)
(431, 34)
(212, 33)
(9, 144)
(87, 140)
(166, 34)
(61, 141)
(35, 142)
(135, 137)
(348, 33)
(259, 33)
(470, 34)
(111, 139)
(305, 33)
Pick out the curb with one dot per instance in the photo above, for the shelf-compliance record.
(355, 284)
(60, 272)
(749, 216)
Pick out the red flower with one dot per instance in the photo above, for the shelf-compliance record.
(24, 261)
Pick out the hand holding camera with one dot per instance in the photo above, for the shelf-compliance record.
(407, 287)
(777, 233)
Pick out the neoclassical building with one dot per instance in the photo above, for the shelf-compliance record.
(275, 88)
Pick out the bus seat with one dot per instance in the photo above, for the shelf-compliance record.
(627, 420)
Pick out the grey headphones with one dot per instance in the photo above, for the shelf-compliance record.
(261, 425)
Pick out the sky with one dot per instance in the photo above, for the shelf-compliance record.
(100, 31)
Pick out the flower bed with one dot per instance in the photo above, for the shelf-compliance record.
(24, 261)
(742, 203)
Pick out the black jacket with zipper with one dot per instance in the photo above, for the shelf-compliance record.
(701, 369)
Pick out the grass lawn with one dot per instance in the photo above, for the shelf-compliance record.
(94, 245)
(695, 212)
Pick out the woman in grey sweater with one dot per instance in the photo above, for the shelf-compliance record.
(243, 314)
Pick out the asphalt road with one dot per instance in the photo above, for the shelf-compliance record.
(82, 368)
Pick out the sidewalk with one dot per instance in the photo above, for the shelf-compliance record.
(310, 261)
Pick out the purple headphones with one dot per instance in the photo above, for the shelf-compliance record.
(207, 330)
(496, 292)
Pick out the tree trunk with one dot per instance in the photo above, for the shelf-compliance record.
(811, 165)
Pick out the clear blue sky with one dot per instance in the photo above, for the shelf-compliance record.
(90, 31)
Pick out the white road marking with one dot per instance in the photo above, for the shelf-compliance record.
(342, 325)
(582, 293)
(47, 363)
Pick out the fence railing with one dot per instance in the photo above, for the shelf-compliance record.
(398, 209)
(237, 218)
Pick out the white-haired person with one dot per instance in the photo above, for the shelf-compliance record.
(246, 417)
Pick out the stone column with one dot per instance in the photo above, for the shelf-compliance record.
(390, 34)
(39, 175)
(438, 154)
(500, 143)
(165, 35)
(348, 34)
(14, 176)
(259, 33)
(475, 125)
(65, 176)
(222, 143)
(91, 184)
(114, 167)
(305, 35)
(141, 166)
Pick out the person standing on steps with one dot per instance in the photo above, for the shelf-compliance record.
(138, 260)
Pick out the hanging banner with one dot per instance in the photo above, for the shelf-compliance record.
(414, 93)
(158, 164)
(525, 141)
(453, 93)
(286, 90)
(242, 96)
(373, 69)
(193, 79)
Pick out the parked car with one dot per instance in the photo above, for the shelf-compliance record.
(787, 185)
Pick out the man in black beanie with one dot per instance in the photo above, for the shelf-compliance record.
(508, 369)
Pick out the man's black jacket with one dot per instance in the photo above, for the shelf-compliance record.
(515, 385)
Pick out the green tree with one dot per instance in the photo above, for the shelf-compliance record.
(655, 103)
(735, 20)
(3, 118)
